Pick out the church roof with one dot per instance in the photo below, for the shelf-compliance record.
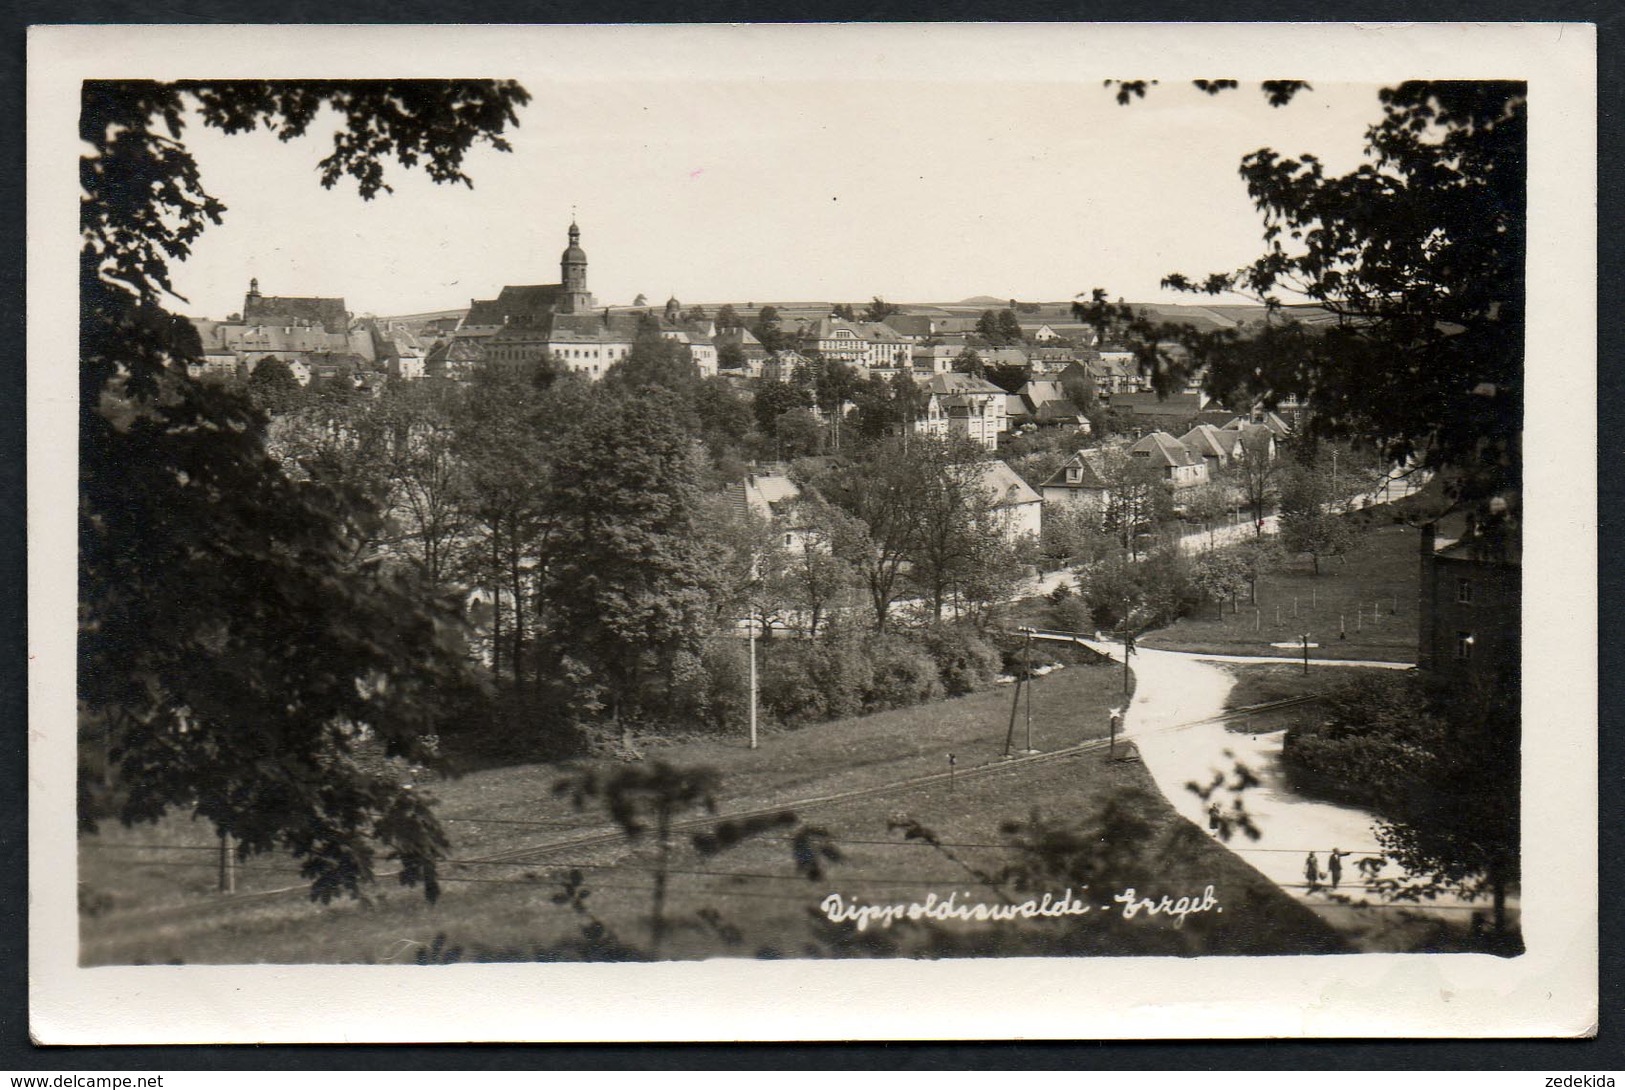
(520, 303)
(292, 310)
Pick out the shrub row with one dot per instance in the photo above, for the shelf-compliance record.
(840, 675)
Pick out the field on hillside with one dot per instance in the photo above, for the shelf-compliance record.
(147, 897)
(1370, 597)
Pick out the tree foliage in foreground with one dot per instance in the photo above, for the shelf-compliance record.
(1417, 254)
(229, 638)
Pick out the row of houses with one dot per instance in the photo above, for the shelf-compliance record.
(768, 493)
(1086, 481)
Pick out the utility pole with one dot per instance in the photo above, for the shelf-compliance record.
(755, 614)
(1030, 748)
(1305, 638)
(753, 681)
(1128, 643)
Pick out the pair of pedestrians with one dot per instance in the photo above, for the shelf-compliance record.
(1334, 868)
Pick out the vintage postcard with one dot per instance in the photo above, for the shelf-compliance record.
(811, 532)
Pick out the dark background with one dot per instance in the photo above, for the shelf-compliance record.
(1604, 1053)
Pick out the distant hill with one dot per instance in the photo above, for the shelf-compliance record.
(983, 301)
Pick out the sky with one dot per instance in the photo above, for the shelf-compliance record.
(763, 188)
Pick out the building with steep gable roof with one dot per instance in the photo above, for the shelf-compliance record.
(1017, 507)
(1175, 462)
(1217, 446)
(1080, 482)
(962, 405)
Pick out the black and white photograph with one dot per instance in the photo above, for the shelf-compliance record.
(767, 529)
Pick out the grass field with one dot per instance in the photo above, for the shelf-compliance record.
(150, 894)
(1371, 598)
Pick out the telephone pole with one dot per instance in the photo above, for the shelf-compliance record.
(752, 681)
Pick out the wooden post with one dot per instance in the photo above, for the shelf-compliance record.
(228, 865)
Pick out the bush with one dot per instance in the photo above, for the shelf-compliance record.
(966, 663)
(807, 681)
(712, 689)
(1365, 742)
(1073, 614)
(811, 681)
(904, 674)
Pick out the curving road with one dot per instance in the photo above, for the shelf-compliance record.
(1171, 722)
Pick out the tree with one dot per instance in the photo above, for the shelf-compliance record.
(1009, 327)
(987, 325)
(1258, 557)
(887, 406)
(1207, 504)
(1256, 472)
(968, 362)
(1137, 499)
(1454, 815)
(879, 310)
(799, 433)
(881, 495)
(631, 578)
(1009, 377)
(812, 580)
(1310, 522)
(1423, 762)
(730, 356)
(273, 385)
(228, 637)
(636, 796)
(768, 328)
(1419, 255)
(771, 400)
(952, 512)
(1219, 576)
(655, 361)
(428, 472)
(641, 301)
(502, 448)
(723, 416)
(844, 312)
(728, 319)
(1080, 390)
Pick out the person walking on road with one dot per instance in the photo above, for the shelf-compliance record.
(1334, 866)
(1311, 870)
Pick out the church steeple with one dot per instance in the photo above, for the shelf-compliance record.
(576, 299)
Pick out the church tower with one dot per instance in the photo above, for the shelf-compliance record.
(574, 298)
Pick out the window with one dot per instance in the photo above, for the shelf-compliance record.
(1464, 591)
(1464, 646)
(1074, 475)
(788, 539)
